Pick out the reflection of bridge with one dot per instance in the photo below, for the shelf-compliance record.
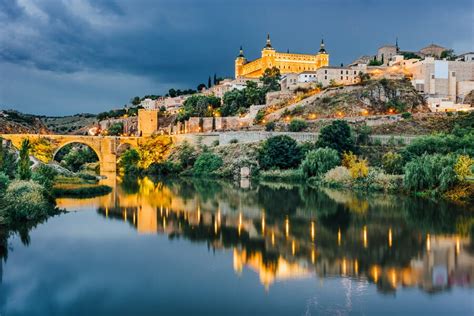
(106, 147)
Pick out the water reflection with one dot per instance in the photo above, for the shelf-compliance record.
(285, 232)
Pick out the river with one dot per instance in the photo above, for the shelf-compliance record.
(197, 247)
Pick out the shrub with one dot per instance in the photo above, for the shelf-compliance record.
(163, 168)
(363, 135)
(4, 181)
(441, 144)
(77, 157)
(406, 115)
(339, 176)
(463, 167)
(84, 191)
(233, 141)
(207, 163)
(319, 161)
(392, 163)
(337, 136)
(348, 159)
(25, 200)
(297, 125)
(45, 175)
(280, 152)
(215, 143)
(359, 169)
(270, 126)
(259, 117)
(430, 172)
(186, 155)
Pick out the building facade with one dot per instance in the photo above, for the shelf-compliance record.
(285, 62)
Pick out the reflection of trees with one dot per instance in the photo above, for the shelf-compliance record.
(279, 202)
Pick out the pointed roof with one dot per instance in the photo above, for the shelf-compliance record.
(241, 52)
(322, 49)
(268, 45)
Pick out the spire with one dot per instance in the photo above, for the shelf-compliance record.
(241, 52)
(322, 49)
(269, 43)
(396, 44)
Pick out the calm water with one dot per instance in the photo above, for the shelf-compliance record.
(206, 247)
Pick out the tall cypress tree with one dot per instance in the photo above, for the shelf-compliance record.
(215, 79)
(24, 171)
(209, 83)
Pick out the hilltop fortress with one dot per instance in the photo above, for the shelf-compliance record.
(286, 62)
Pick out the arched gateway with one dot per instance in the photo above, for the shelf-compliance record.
(106, 147)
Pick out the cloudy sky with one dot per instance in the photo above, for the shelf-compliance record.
(72, 56)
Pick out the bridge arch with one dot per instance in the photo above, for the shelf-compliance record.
(61, 146)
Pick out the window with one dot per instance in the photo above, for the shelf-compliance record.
(325, 77)
(325, 71)
(347, 72)
(342, 78)
(342, 72)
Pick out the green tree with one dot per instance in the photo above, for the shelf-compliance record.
(201, 86)
(448, 54)
(271, 79)
(338, 136)
(319, 161)
(115, 129)
(128, 162)
(135, 101)
(209, 83)
(7, 161)
(24, 171)
(280, 152)
(172, 93)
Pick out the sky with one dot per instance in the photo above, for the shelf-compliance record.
(60, 57)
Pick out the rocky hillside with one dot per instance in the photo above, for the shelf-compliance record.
(375, 97)
(13, 122)
(72, 124)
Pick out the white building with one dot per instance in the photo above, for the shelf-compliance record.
(227, 85)
(442, 78)
(148, 104)
(467, 57)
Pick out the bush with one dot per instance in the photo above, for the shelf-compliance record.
(463, 167)
(337, 136)
(319, 161)
(45, 175)
(297, 125)
(186, 155)
(280, 152)
(24, 171)
(207, 163)
(392, 163)
(215, 143)
(406, 115)
(85, 191)
(259, 117)
(430, 172)
(270, 126)
(359, 169)
(459, 143)
(4, 181)
(233, 141)
(339, 176)
(24, 201)
(163, 168)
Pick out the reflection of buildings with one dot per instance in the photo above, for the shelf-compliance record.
(385, 252)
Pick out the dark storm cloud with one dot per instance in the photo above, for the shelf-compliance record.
(178, 43)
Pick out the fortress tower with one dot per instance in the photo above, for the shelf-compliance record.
(286, 62)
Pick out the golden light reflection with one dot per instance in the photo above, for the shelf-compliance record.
(375, 272)
(339, 237)
(125, 216)
(344, 266)
(313, 255)
(273, 239)
(390, 237)
(312, 231)
(263, 224)
(293, 247)
(364, 233)
(393, 278)
(458, 246)
(287, 227)
(428, 242)
(356, 267)
(134, 218)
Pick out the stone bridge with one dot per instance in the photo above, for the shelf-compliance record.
(106, 147)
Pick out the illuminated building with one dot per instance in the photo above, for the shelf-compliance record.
(285, 62)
